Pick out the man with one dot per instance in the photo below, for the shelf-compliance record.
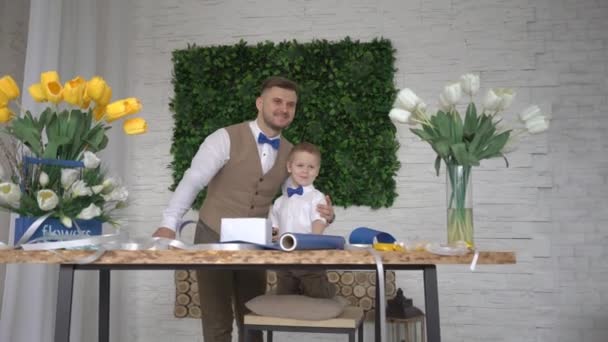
(243, 167)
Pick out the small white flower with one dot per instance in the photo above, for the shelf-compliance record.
(492, 101)
(68, 177)
(47, 199)
(530, 113)
(407, 99)
(121, 205)
(537, 125)
(43, 179)
(469, 84)
(108, 185)
(506, 97)
(90, 160)
(97, 189)
(66, 221)
(400, 115)
(79, 189)
(421, 107)
(444, 104)
(119, 194)
(452, 93)
(10, 194)
(89, 212)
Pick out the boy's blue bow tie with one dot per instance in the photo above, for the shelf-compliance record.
(263, 139)
(297, 191)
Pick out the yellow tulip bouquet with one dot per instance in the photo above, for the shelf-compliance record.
(53, 170)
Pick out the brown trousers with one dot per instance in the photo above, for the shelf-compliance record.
(307, 283)
(222, 291)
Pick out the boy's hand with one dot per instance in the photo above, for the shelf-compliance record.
(164, 232)
(327, 210)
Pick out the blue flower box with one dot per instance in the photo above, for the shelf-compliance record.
(52, 229)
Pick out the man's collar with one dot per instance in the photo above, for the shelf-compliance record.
(257, 130)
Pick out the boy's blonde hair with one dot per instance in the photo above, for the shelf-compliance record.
(305, 147)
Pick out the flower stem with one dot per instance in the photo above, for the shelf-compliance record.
(459, 206)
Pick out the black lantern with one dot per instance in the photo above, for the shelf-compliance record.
(405, 321)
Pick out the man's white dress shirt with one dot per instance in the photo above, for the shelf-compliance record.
(212, 155)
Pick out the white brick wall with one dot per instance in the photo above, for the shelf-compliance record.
(549, 206)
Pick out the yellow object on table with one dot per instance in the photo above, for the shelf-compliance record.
(388, 247)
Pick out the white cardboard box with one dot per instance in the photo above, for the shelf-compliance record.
(255, 230)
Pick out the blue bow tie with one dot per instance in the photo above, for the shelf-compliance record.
(263, 139)
(297, 191)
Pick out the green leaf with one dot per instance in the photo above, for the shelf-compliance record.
(470, 121)
(495, 144)
(52, 127)
(464, 157)
(437, 164)
(485, 128)
(44, 117)
(460, 153)
(25, 131)
(442, 147)
(429, 130)
(456, 128)
(505, 158)
(422, 134)
(442, 123)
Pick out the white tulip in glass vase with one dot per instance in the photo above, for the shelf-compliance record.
(463, 140)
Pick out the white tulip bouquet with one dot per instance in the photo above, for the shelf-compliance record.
(463, 140)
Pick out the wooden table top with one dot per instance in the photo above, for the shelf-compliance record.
(250, 257)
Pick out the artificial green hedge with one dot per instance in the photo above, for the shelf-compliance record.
(346, 93)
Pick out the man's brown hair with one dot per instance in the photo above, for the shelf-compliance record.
(281, 82)
(305, 147)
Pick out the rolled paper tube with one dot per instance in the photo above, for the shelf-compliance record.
(294, 241)
(367, 236)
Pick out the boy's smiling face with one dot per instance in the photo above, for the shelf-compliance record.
(303, 167)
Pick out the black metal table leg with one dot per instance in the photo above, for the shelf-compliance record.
(104, 305)
(431, 302)
(64, 303)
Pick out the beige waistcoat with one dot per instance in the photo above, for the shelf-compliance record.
(240, 189)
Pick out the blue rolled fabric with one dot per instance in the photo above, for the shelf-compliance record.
(366, 236)
(293, 241)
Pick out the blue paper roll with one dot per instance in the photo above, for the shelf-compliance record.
(293, 241)
(366, 236)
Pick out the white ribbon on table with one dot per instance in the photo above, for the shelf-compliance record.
(381, 287)
(100, 244)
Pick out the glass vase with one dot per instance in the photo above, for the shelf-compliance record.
(459, 197)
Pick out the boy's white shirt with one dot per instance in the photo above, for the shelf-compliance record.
(296, 214)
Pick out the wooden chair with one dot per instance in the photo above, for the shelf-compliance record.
(357, 288)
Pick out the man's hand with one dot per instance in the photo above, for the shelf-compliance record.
(275, 234)
(164, 232)
(327, 210)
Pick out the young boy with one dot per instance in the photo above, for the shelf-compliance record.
(295, 212)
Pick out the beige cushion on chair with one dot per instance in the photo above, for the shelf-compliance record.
(350, 318)
(295, 307)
